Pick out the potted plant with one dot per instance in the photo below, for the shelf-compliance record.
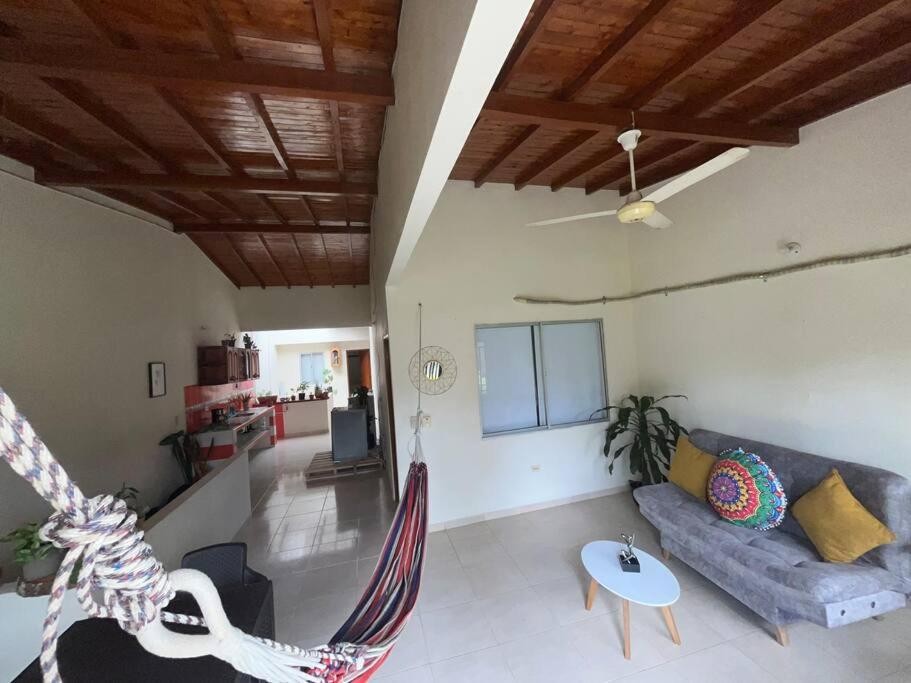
(248, 342)
(327, 380)
(302, 390)
(246, 399)
(38, 558)
(653, 435)
(266, 398)
(229, 340)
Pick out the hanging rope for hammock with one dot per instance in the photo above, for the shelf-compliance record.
(136, 589)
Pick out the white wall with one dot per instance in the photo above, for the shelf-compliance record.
(819, 361)
(475, 254)
(297, 308)
(287, 372)
(88, 296)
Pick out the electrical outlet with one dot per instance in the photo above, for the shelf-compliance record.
(535, 468)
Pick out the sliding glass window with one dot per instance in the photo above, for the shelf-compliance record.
(539, 375)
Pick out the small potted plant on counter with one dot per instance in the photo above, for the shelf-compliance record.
(248, 342)
(266, 398)
(246, 399)
(38, 558)
(302, 390)
(229, 340)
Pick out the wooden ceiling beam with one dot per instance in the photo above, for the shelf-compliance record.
(226, 204)
(200, 244)
(559, 152)
(300, 256)
(324, 31)
(666, 171)
(285, 280)
(891, 79)
(504, 154)
(823, 74)
(91, 105)
(747, 15)
(47, 59)
(642, 160)
(610, 54)
(837, 22)
(328, 262)
(574, 116)
(243, 259)
(604, 60)
(520, 50)
(585, 167)
(271, 228)
(204, 183)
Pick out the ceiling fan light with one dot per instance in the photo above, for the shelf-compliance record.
(635, 212)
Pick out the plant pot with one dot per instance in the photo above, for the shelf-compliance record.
(247, 405)
(301, 396)
(269, 400)
(46, 566)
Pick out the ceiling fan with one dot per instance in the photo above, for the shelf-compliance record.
(639, 209)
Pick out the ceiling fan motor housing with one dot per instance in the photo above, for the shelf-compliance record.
(635, 211)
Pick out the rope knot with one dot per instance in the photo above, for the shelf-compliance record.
(115, 560)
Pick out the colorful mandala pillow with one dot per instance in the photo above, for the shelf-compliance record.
(744, 490)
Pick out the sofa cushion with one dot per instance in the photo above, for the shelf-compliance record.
(744, 490)
(788, 548)
(690, 468)
(840, 527)
(829, 582)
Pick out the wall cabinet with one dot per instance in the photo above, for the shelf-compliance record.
(226, 364)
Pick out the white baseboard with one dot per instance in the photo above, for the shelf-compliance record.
(521, 509)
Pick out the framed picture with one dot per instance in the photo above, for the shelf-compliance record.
(158, 385)
(335, 357)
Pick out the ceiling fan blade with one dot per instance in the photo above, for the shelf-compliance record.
(701, 172)
(568, 219)
(658, 220)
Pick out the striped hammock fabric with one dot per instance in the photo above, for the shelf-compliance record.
(383, 611)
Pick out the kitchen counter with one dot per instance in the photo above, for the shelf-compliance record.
(303, 418)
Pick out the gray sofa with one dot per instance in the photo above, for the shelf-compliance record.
(778, 573)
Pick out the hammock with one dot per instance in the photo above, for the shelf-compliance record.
(101, 532)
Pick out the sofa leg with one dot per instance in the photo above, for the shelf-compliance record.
(665, 553)
(781, 635)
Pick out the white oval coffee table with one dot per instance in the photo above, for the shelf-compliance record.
(654, 585)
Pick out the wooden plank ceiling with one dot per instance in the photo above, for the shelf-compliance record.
(700, 75)
(253, 125)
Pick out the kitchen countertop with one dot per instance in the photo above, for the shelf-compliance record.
(240, 421)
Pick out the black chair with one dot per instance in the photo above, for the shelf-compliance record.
(224, 563)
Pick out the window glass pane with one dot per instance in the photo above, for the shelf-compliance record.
(506, 378)
(312, 366)
(573, 371)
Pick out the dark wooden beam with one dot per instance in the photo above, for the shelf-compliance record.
(328, 262)
(204, 183)
(665, 171)
(323, 20)
(559, 152)
(891, 79)
(522, 47)
(822, 74)
(644, 158)
(503, 154)
(285, 280)
(610, 54)
(300, 255)
(200, 244)
(271, 228)
(586, 167)
(574, 116)
(837, 22)
(243, 259)
(747, 14)
(55, 59)
(80, 96)
(94, 15)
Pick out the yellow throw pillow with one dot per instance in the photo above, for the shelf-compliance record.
(841, 528)
(690, 468)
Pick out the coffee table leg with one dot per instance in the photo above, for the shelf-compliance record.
(592, 592)
(626, 643)
(671, 624)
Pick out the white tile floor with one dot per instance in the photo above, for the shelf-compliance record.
(503, 600)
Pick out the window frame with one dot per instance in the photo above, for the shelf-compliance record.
(540, 383)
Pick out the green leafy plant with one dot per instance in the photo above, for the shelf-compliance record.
(27, 543)
(653, 435)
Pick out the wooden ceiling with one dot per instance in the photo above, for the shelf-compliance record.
(700, 75)
(253, 125)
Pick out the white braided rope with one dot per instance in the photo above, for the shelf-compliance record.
(135, 588)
